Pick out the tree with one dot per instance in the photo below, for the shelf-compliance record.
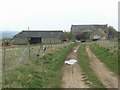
(68, 36)
(112, 33)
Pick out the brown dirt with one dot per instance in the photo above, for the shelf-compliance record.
(72, 76)
(108, 78)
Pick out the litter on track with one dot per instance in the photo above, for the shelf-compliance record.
(70, 62)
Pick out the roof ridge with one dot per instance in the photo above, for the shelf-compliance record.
(88, 24)
(42, 30)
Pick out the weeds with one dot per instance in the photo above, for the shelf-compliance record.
(109, 59)
(41, 73)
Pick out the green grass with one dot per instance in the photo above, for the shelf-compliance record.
(109, 59)
(86, 68)
(12, 55)
(44, 72)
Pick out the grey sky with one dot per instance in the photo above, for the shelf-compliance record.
(17, 15)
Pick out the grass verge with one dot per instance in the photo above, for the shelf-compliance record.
(42, 73)
(86, 68)
(109, 59)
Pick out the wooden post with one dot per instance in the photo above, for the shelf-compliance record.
(3, 67)
(4, 60)
(72, 68)
(29, 51)
(29, 46)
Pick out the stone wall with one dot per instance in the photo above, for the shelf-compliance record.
(20, 40)
(51, 40)
(24, 40)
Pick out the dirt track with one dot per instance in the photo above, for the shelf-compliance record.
(108, 78)
(72, 76)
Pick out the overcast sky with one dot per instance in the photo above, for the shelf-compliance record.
(17, 15)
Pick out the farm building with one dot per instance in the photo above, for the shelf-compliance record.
(75, 28)
(35, 37)
(87, 31)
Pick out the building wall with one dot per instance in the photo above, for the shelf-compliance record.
(92, 29)
(99, 32)
(24, 40)
(51, 40)
(20, 40)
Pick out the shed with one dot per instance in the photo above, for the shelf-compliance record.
(37, 37)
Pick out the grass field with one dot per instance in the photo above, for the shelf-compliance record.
(41, 73)
(17, 54)
(112, 45)
(86, 68)
(109, 59)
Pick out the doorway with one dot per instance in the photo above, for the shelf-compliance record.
(35, 40)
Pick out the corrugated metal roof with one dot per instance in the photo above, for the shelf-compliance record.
(50, 34)
(84, 27)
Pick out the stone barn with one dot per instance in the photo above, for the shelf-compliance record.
(38, 37)
(86, 31)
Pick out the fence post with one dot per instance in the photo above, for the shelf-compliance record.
(4, 59)
(3, 67)
(29, 51)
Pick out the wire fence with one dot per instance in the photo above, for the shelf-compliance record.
(12, 57)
